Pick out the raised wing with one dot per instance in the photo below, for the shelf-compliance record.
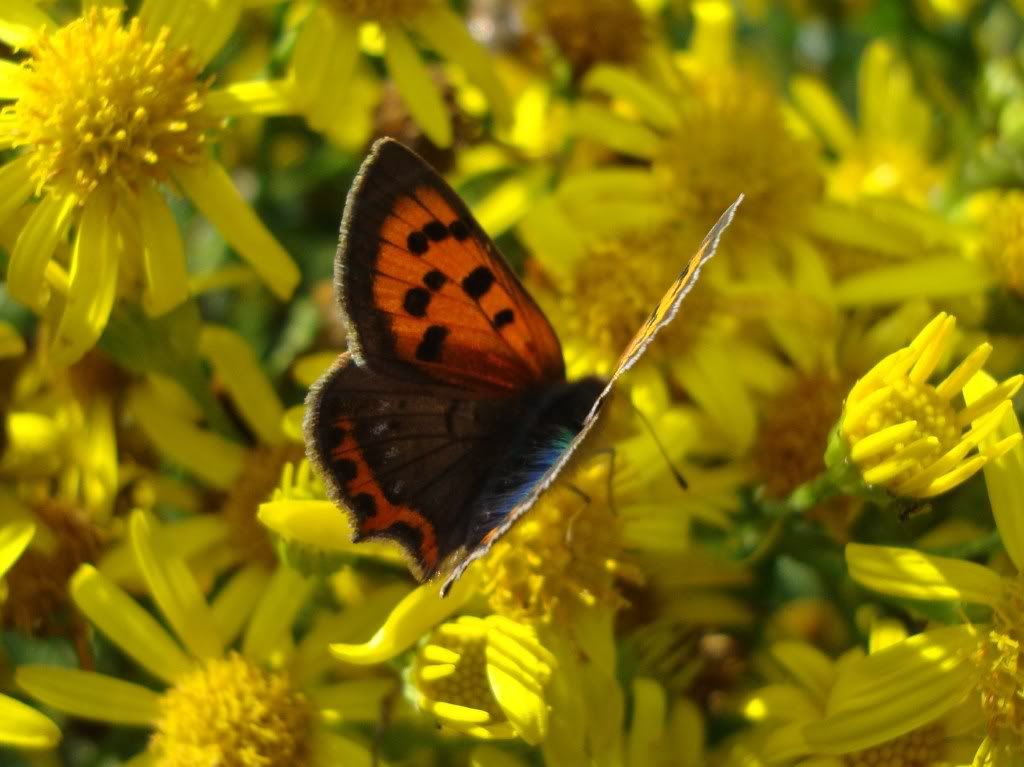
(663, 314)
(424, 292)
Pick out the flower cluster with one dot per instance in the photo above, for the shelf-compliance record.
(794, 537)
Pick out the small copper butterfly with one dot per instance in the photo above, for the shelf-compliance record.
(450, 413)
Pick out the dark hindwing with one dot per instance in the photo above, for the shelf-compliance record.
(406, 459)
(424, 291)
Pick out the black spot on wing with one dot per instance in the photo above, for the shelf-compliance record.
(417, 243)
(459, 230)
(429, 349)
(436, 231)
(503, 318)
(434, 280)
(478, 282)
(346, 470)
(364, 505)
(416, 301)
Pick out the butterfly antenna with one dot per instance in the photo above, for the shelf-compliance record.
(677, 475)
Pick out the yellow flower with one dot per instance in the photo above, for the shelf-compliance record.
(587, 33)
(906, 435)
(793, 715)
(21, 726)
(891, 152)
(1002, 239)
(104, 114)
(262, 704)
(917, 681)
(327, 53)
(485, 677)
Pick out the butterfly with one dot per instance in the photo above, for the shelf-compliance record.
(450, 414)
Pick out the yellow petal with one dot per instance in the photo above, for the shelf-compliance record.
(358, 700)
(824, 112)
(626, 136)
(307, 369)
(621, 83)
(128, 625)
(237, 368)
(1004, 476)
(46, 226)
(163, 254)
(184, 539)
(446, 33)
(423, 609)
(713, 33)
(333, 749)
(518, 669)
(255, 97)
(16, 186)
(89, 695)
(814, 671)
(201, 25)
(209, 456)
(644, 742)
(21, 22)
(935, 277)
(418, 89)
(914, 575)
(235, 603)
(322, 525)
(175, 591)
(22, 726)
(93, 283)
(215, 195)
(272, 620)
(324, 59)
(14, 539)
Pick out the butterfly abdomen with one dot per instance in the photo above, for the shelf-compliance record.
(551, 419)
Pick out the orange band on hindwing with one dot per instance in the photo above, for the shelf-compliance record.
(375, 514)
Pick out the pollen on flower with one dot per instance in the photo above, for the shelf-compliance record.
(922, 747)
(566, 553)
(791, 439)
(105, 106)
(37, 582)
(614, 290)
(232, 713)
(732, 137)
(381, 9)
(452, 668)
(1000, 660)
(589, 32)
(1003, 240)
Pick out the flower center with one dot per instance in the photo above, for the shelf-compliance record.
(232, 713)
(1003, 240)
(381, 9)
(908, 401)
(102, 105)
(256, 483)
(923, 747)
(566, 553)
(791, 440)
(1001, 660)
(616, 287)
(592, 31)
(37, 582)
(733, 138)
(452, 667)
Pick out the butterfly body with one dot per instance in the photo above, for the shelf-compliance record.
(451, 413)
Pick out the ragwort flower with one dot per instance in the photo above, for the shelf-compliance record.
(262, 704)
(327, 53)
(103, 115)
(919, 680)
(904, 434)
